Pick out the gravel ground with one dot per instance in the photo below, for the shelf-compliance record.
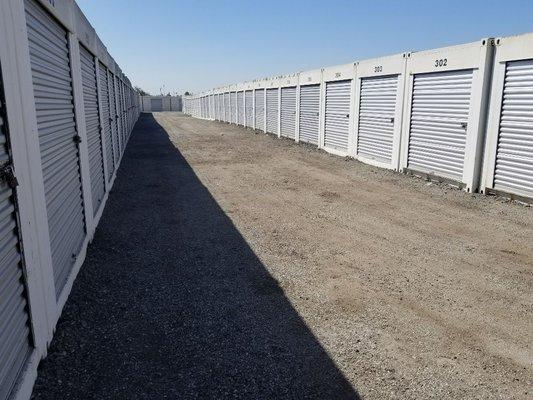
(234, 265)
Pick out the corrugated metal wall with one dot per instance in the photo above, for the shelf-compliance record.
(78, 113)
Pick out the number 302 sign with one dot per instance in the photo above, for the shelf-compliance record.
(441, 63)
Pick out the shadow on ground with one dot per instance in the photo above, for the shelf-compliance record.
(172, 303)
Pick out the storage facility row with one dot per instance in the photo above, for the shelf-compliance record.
(462, 114)
(66, 113)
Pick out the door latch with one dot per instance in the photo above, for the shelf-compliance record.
(464, 125)
(77, 139)
(7, 174)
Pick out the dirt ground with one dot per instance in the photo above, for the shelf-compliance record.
(415, 290)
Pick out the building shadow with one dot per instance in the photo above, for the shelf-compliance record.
(172, 303)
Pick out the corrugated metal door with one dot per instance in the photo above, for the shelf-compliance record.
(272, 103)
(106, 121)
(233, 105)
(226, 108)
(439, 117)
(52, 87)
(92, 124)
(112, 113)
(240, 108)
(117, 115)
(377, 107)
(123, 114)
(217, 107)
(260, 109)
(288, 112)
(249, 105)
(337, 124)
(514, 156)
(156, 104)
(15, 346)
(309, 113)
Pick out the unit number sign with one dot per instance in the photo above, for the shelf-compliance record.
(441, 62)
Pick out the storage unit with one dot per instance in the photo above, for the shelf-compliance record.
(249, 108)
(339, 86)
(227, 107)
(233, 107)
(259, 110)
(92, 124)
(15, 341)
(106, 120)
(113, 117)
(508, 163)
(272, 107)
(445, 113)
(309, 107)
(217, 106)
(58, 138)
(240, 108)
(379, 98)
(288, 106)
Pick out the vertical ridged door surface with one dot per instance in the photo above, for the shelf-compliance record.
(233, 106)
(272, 102)
(337, 123)
(227, 117)
(240, 108)
(288, 112)
(106, 121)
(514, 156)
(56, 125)
(309, 113)
(260, 109)
(377, 108)
(112, 115)
(117, 116)
(15, 344)
(438, 124)
(92, 125)
(249, 107)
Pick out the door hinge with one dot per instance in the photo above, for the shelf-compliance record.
(7, 174)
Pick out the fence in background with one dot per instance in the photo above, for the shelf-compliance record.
(66, 113)
(161, 103)
(461, 114)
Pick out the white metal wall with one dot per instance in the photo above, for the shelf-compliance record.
(424, 113)
(65, 118)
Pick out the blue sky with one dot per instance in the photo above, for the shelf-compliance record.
(196, 45)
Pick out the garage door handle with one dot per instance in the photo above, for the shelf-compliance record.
(464, 125)
(392, 120)
(347, 115)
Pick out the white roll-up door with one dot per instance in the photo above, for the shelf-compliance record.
(217, 107)
(15, 346)
(439, 118)
(92, 125)
(514, 156)
(221, 107)
(114, 121)
(377, 107)
(272, 103)
(337, 124)
(58, 139)
(249, 106)
(260, 109)
(240, 108)
(117, 116)
(226, 107)
(106, 121)
(288, 112)
(309, 113)
(233, 106)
